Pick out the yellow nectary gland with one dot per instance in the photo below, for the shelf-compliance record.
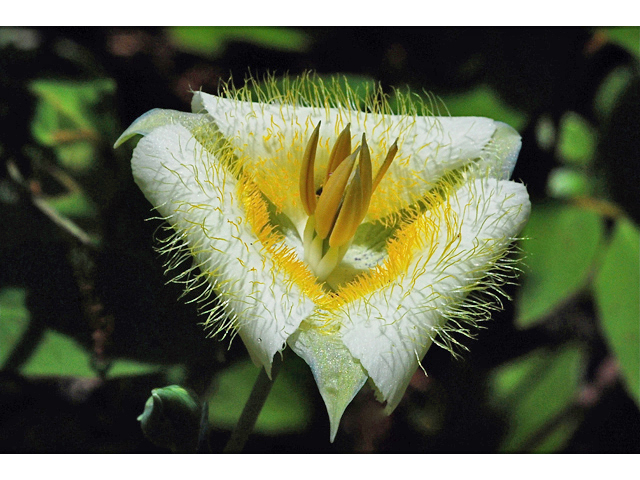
(345, 196)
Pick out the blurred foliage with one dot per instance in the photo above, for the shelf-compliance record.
(212, 41)
(88, 328)
(14, 319)
(484, 101)
(561, 246)
(534, 391)
(286, 409)
(618, 300)
(67, 118)
(626, 37)
(56, 353)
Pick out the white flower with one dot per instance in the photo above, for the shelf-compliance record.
(357, 238)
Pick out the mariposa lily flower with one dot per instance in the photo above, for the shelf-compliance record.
(357, 237)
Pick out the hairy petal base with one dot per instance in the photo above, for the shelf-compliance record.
(198, 197)
(390, 330)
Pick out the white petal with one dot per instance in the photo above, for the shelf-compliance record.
(446, 142)
(199, 198)
(441, 144)
(428, 147)
(391, 329)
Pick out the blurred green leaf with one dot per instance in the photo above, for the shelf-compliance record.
(484, 101)
(626, 37)
(70, 118)
(545, 133)
(576, 142)
(286, 409)
(14, 320)
(76, 103)
(558, 435)
(616, 287)
(568, 183)
(561, 246)
(60, 355)
(212, 41)
(56, 354)
(534, 392)
(126, 368)
(611, 89)
(73, 204)
(77, 156)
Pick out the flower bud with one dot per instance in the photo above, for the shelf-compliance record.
(172, 419)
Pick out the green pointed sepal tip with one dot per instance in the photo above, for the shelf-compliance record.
(338, 375)
(156, 118)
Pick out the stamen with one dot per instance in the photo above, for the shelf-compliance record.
(307, 187)
(366, 172)
(341, 150)
(356, 200)
(332, 196)
(340, 205)
(386, 164)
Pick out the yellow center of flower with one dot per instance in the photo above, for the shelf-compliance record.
(339, 206)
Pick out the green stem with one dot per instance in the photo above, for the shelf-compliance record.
(252, 409)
